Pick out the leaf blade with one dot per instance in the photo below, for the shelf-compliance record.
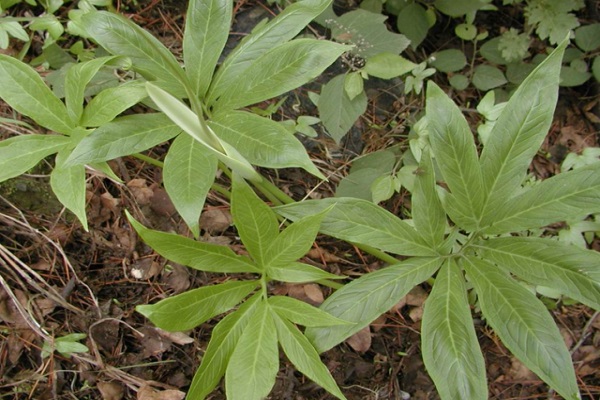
(302, 313)
(68, 184)
(21, 153)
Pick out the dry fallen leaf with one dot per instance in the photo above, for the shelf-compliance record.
(147, 393)
(111, 390)
(361, 340)
(215, 220)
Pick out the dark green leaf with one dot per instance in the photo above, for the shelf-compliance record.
(413, 22)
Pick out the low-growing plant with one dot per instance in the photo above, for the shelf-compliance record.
(482, 251)
(243, 346)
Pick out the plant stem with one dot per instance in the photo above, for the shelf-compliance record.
(330, 283)
(149, 160)
(377, 253)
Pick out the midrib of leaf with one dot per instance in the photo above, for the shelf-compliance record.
(240, 133)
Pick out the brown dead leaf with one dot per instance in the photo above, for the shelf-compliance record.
(310, 293)
(177, 278)
(111, 390)
(322, 255)
(361, 340)
(175, 337)
(519, 372)
(147, 393)
(145, 268)
(140, 190)
(416, 297)
(153, 342)
(161, 203)
(215, 220)
(416, 313)
(106, 335)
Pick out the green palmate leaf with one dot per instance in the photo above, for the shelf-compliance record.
(294, 241)
(337, 111)
(189, 309)
(223, 341)
(195, 126)
(523, 324)
(21, 153)
(449, 343)
(361, 221)
(454, 150)
(571, 270)
(124, 136)
(302, 313)
(256, 356)
(366, 298)
(569, 195)
(188, 174)
(282, 28)
(262, 141)
(299, 273)
(149, 56)
(78, 77)
(206, 32)
(519, 132)
(23, 89)
(428, 214)
(256, 223)
(111, 102)
(68, 184)
(304, 356)
(198, 255)
(280, 70)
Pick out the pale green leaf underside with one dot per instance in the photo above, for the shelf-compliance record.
(282, 28)
(524, 325)
(68, 184)
(262, 141)
(302, 313)
(278, 71)
(569, 195)
(223, 341)
(206, 32)
(304, 356)
(572, 270)
(252, 375)
(366, 298)
(188, 174)
(111, 102)
(449, 343)
(519, 132)
(23, 89)
(198, 255)
(149, 56)
(297, 272)
(21, 153)
(256, 223)
(125, 135)
(454, 150)
(361, 221)
(189, 309)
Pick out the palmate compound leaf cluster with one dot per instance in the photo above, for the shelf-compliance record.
(244, 344)
(265, 64)
(482, 249)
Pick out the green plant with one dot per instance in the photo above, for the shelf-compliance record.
(243, 346)
(65, 345)
(266, 64)
(482, 250)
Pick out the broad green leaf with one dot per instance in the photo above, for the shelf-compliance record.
(353, 84)
(68, 184)
(23, 89)
(366, 298)
(295, 241)
(263, 38)
(454, 150)
(149, 56)
(111, 102)
(569, 195)
(206, 32)
(223, 341)
(21, 153)
(388, 65)
(252, 375)
(303, 355)
(524, 325)
(361, 221)
(256, 223)
(571, 270)
(189, 309)
(587, 37)
(427, 211)
(413, 22)
(195, 126)
(78, 77)
(124, 136)
(487, 77)
(198, 255)
(278, 71)
(449, 343)
(518, 133)
(188, 174)
(337, 111)
(449, 60)
(302, 313)
(458, 8)
(297, 272)
(262, 141)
